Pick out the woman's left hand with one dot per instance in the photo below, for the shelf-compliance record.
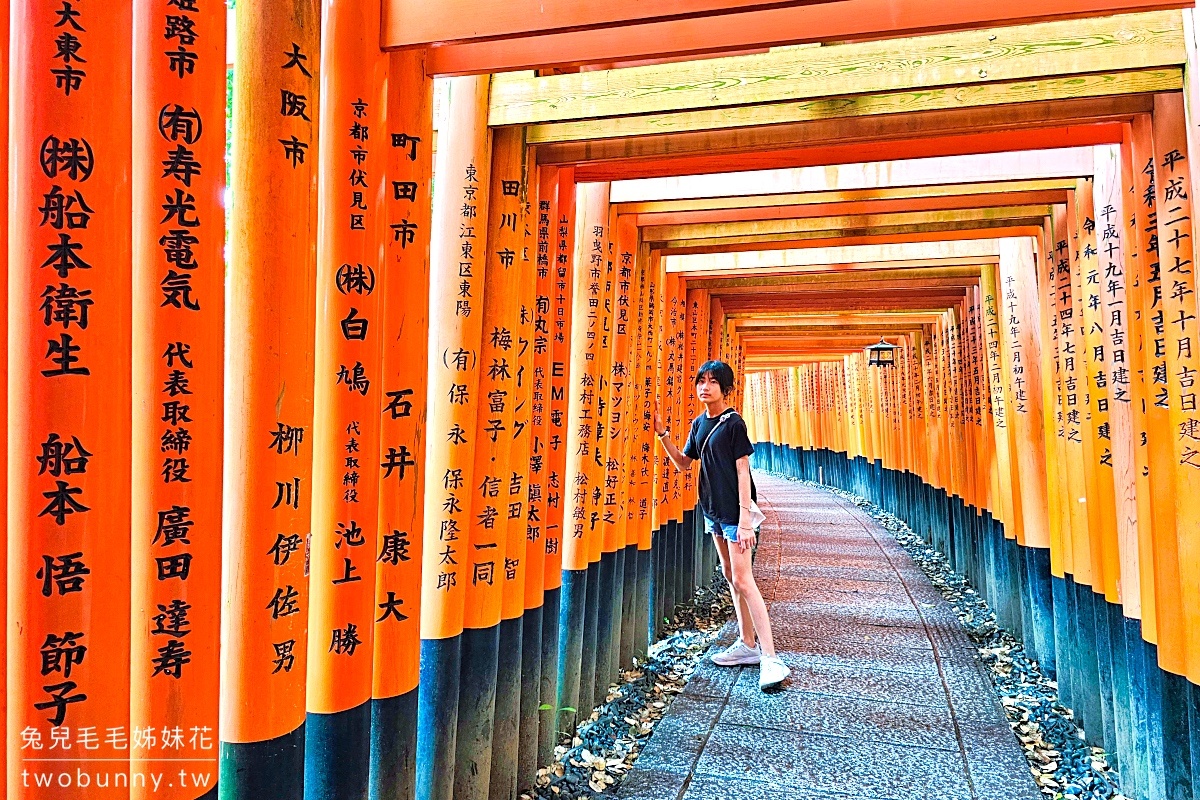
(746, 537)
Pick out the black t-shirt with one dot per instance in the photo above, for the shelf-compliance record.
(718, 462)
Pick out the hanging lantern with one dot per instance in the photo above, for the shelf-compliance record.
(882, 354)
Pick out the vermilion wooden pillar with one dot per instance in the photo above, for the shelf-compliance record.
(1079, 563)
(1020, 317)
(959, 402)
(623, 428)
(1091, 616)
(541, 219)
(1097, 426)
(4, 125)
(518, 652)
(581, 476)
(603, 548)
(269, 420)
(980, 414)
(669, 477)
(945, 393)
(1135, 349)
(69, 384)
(693, 356)
(404, 327)
(683, 402)
(562, 250)
(1086, 584)
(1111, 212)
(178, 347)
(931, 371)
(646, 452)
(501, 233)
(1173, 193)
(1008, 509)
(1118, 253)
(460, 214)
(1163, 622)
(658, 394)
(347, 402)
(595, 236)
(1165, 626)
(638, 421)
(698, 338)
(541, 503)
(1024, 335)
(1057, 478)
(1051, 409)
(1177, 264)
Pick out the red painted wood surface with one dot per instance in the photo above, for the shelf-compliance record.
(641, 38)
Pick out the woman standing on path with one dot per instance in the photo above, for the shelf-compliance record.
(719, 441)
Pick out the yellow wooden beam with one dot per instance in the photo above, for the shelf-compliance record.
(1021, 52)
(853, 341)
(744, 320)
(776, 283)
(845, 196)
(857, 330)
(699, 278)
(948, 253)
(984, 229)
(1141, 81)
(719, 230)
(754, 363)
(847, 130)
(853, 305)
(826, 319)
(1059, 166)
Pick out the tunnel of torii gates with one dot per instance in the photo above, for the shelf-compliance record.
(347, 487)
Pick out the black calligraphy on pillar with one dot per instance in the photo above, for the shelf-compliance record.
(294, 103)
(351, 465)
(182, 229)
(65, 307)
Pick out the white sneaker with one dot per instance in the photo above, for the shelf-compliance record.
(736, 655)
(771, 673)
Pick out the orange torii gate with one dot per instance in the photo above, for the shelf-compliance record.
(1116, 536)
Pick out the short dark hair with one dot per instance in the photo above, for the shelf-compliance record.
(720, 372)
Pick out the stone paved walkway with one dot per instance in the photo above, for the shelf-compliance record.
(886, 700)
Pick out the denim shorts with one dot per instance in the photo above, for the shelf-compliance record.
(730, 532)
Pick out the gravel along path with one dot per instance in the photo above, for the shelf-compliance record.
(605, 746)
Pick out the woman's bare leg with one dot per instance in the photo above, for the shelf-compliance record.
(745, 623)
(745, 588)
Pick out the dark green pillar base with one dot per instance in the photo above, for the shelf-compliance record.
(506, 726)
(337, 754)
(531, 684)
(394, 747)
(591, 625)
(547, 736)
(606, 583)
(476, 713)
(629, 605)
(437, 717)
(271, 768)
(571, 613)
(644, 614)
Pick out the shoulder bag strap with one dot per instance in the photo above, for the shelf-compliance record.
(722, 418)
